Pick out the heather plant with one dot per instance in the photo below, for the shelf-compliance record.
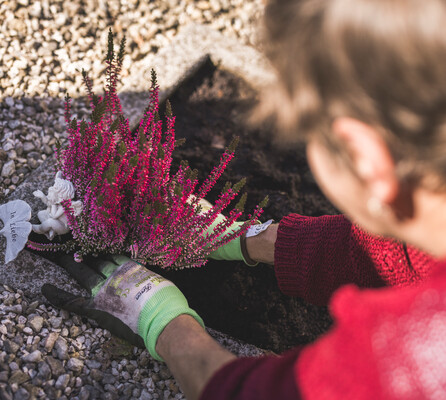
(133, 202)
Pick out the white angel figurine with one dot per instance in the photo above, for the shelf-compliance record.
(53, 219)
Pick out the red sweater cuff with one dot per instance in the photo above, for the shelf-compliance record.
(286, 255)
(255, 378)
(314, 256)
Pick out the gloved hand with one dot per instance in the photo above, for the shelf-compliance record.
(235, 250)
(126, 298)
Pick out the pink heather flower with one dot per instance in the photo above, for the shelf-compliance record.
(77, 257)
(133, 202)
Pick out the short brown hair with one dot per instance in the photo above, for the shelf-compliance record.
(380, 61)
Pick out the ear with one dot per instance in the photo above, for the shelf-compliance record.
(371, 157)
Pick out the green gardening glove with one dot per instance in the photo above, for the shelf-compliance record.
(126, 298)
(235, 250)
(231, 251)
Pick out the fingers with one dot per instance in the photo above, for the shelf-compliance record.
(81, 306)
(107, 264)
(68, 301)
(62, 299)
(82, 273)
(115, 326)
(93, 271)
(120, 259)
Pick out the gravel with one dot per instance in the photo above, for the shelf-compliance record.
(53, 364)
(45, 352)
(46, 43)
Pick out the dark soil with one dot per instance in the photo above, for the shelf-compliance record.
(231, 297)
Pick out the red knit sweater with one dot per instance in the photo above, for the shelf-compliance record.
(385, 343)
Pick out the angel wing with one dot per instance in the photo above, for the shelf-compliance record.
(15, 216)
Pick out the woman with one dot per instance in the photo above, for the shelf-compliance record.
(363, 82)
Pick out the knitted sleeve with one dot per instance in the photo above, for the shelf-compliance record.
(261, 378)
(385, 343)
(316, 255)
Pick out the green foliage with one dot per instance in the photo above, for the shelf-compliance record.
(111, 173)
(233, 145)
(122, 148)
(95, 100)
(239, 185)
(83, 127)
(133, 162)
(227, 187)
(180, 142)
(264, 202)
(241, 203)
(115, 124)
(142, 140)
(153, 78)
(98, 112)
(110, 46)
(160, 153)
(192, 174)
(99, 144)
(121, 50)
(178, 190)
(168, 109)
